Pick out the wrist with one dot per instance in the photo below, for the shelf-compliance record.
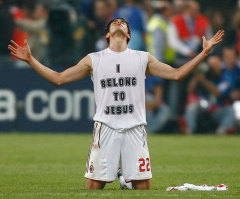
(205, 52)
(30, 59)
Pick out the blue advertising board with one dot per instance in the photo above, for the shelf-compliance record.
(28, 103)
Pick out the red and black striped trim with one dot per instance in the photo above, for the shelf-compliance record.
(90, 149)
(99, 135)
(144, 134)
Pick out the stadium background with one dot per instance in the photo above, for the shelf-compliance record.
(47, 165)
(28, 103)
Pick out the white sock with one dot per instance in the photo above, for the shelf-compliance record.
(125, 185)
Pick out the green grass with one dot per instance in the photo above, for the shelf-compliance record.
(53, 165)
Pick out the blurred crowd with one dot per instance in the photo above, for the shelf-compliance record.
(61, 32)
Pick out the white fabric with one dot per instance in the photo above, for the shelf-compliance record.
(124, 184)
(175, 42)
(110, 147)
(204, 187)
(118, 74)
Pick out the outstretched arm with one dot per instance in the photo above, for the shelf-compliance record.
(165, 71)
(79, 71)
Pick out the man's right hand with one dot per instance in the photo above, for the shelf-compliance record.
(21, 52)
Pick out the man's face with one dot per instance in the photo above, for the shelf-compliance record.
(119, 26)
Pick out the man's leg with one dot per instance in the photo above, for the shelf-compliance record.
(103, 157)
(135, 159)
(141, 184)
(95, 184)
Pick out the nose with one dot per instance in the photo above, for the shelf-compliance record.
(118, 21)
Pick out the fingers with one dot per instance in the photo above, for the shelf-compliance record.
(218, 41)
(219, 35)
(14, 54)
(14, 43)
(11, 48)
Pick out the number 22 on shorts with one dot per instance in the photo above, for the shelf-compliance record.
(144, 165)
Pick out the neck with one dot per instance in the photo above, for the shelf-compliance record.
(118, 43)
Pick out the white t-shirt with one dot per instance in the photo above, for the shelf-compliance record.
(119, 87)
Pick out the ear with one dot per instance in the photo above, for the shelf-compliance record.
(128, 36)
(107, 35)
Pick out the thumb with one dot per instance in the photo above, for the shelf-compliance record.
(204, 38)
(26, 44)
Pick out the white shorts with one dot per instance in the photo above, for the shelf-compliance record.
(109, 148)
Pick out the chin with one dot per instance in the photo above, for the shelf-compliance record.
(119, 31)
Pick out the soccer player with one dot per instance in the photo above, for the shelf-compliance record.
(118, 75)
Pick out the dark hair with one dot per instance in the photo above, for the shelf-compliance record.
(109, 24)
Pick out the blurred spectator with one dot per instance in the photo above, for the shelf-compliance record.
(113, 6)
(157, 31)
(102, 15)
(222, 86)
(87, 8)
(62, 22)
(189, 27)
(157, 112)
(220, 21)
(35, 26)
(185, 37)
(179, 6)
(136, 18)
(6, 32)
(148, 8)
(157, 45)
(86, 26)
(234, 38)
(231, 68)
(201, 96)
(217, 21)
(19, 35)
(231, 74)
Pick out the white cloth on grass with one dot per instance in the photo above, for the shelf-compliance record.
(204, 187)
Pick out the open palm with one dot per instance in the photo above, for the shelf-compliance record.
(209, 44)
(21, 52)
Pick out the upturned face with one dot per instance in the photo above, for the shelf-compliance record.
(118, 26)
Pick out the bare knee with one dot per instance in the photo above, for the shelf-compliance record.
(95, 184)
(141, 184)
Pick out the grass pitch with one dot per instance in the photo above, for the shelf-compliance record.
(53, 165)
